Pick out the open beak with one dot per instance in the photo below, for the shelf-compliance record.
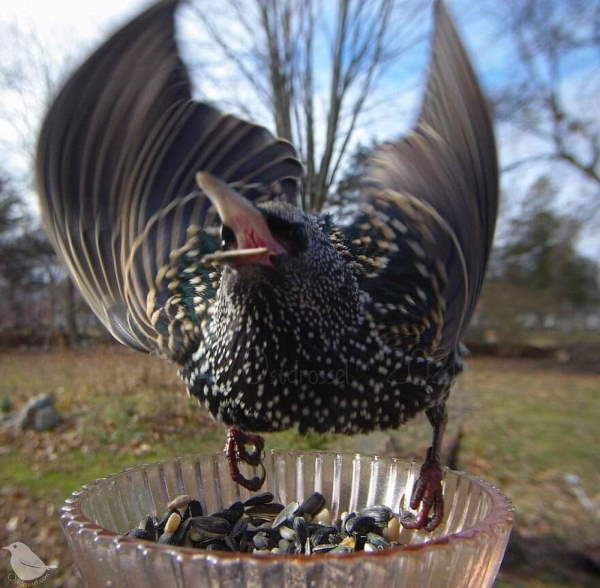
(255, 242)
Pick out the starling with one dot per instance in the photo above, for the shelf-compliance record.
(180, 227)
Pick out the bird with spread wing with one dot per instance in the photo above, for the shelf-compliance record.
(180, 226)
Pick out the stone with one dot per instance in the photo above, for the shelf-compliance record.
(38, 414)
(46, 419)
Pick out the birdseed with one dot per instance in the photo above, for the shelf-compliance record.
(260, 526)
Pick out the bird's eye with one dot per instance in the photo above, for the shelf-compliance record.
(228, 240)
(298, 235)
(292, 236)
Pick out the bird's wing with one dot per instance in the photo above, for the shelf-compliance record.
(426, 228)
(32, 561)
(116, 164)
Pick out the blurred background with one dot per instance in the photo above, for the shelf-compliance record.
(336, 78)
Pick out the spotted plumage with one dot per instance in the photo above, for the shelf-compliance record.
(180, 226)
(303, 344)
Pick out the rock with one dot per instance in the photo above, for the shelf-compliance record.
(38, 414)
(41, 401)
(46, 418)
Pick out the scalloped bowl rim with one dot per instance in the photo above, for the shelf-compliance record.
(500, 514)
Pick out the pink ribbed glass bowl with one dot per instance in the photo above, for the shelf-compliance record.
(465, 550)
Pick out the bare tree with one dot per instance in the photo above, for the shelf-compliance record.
(314, 64)
(538, 277)
(37, 289)
(552, 40)
(12, 209)
(29, 75)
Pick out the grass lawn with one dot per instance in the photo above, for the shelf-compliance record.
(525, 426)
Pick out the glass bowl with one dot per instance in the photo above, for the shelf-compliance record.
(465, 550)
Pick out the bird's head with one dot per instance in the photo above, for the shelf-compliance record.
(281, 255)
(14, 547)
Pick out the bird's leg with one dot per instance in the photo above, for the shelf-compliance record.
(427, 492)
(235, 451)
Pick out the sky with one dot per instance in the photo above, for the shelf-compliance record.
(87, 18)
(62, 25)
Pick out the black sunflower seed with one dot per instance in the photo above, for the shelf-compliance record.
(239, 528)
(231, 543)
(359, 544)
(285, 514)
(341, 549)
(272, 534)
(162, 521)
(245, 544)
(262, 498)
(299, 526)
(312, 505)
(193, 509)
(320, 535)
(141, 534)
(261, 526)
(347, 521)
(181, 533)
(216, 525)
(259, 521)
(338, 525)
(361, 525)
(335, 538)
(378, 541)
(195, 536)
(231, 514)
(380, 513)
(217, 545)
(271, 509)
(148, 525)
(167, 539)
(324, 548)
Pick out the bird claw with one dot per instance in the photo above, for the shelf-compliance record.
(427, 494)
(235, 451)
